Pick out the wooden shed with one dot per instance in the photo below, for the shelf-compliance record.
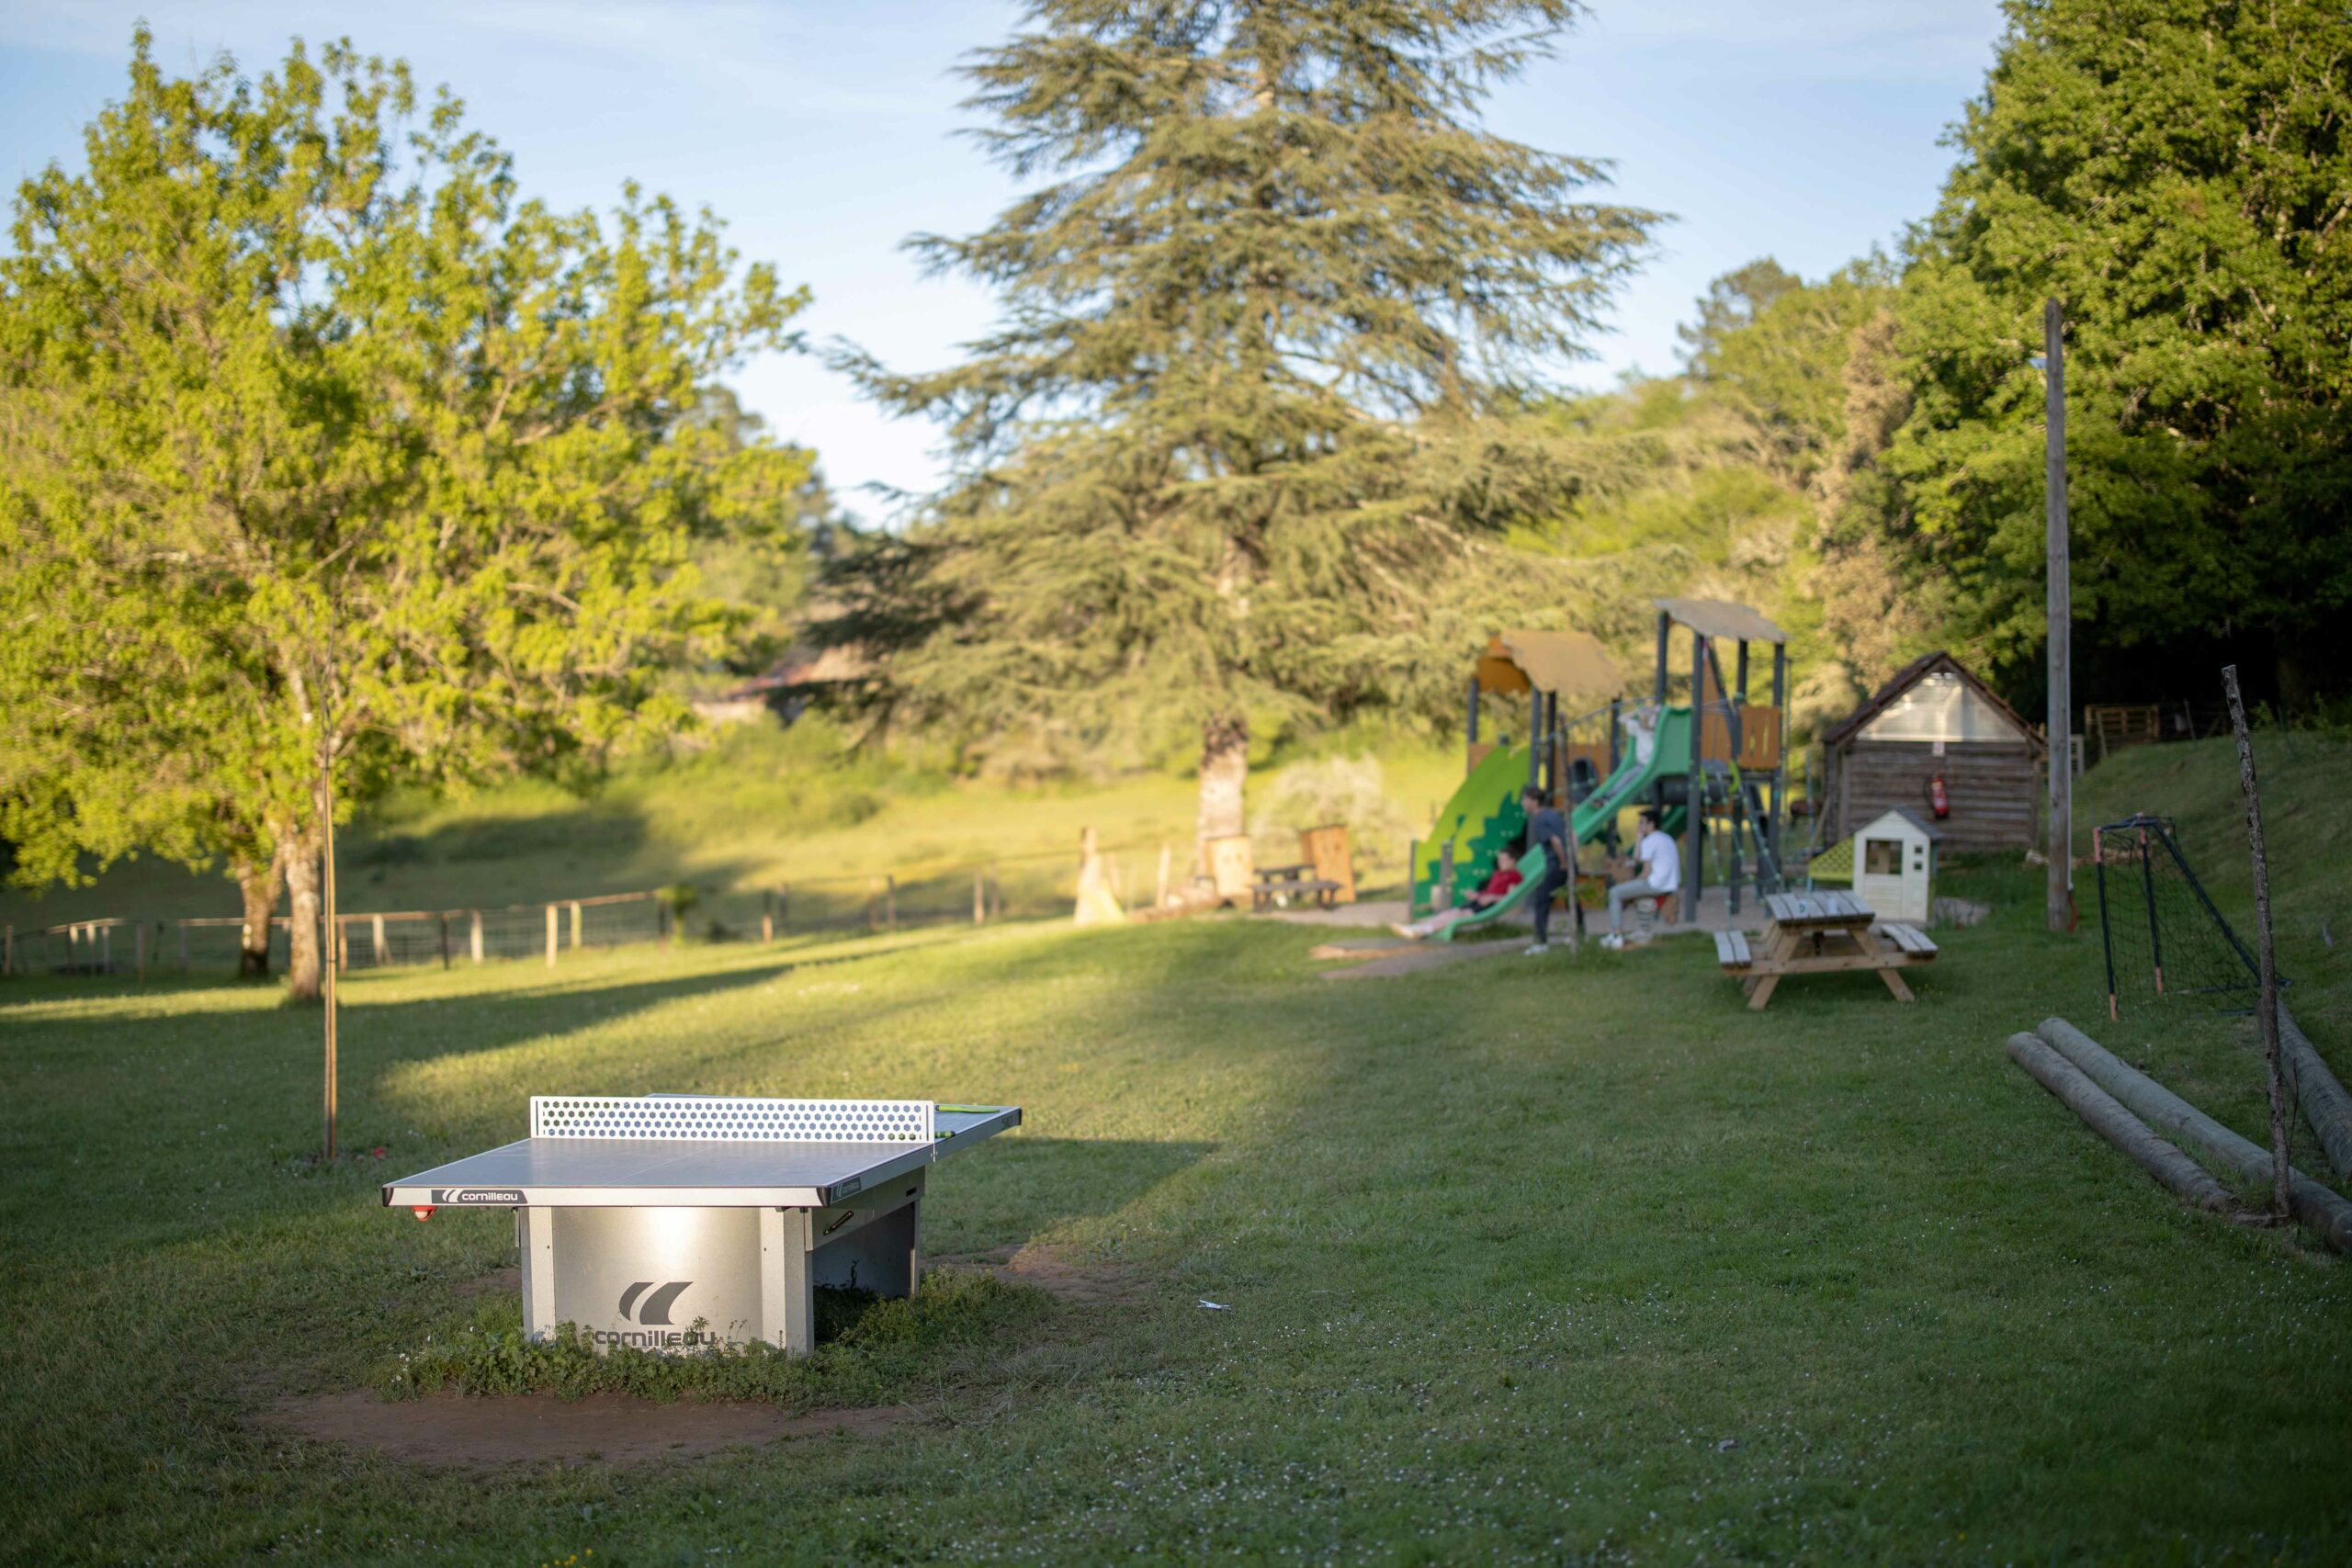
(1935, 720)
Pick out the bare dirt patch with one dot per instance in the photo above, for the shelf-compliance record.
(456, 1432)
(1053, 1270)
(506, 1282)
(1426, 955)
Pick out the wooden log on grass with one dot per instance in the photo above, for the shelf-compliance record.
(2106, 1116)
(2326, 1105)
(2320, 1210)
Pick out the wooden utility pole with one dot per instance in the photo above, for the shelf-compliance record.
(2060, 609)
(333, 934)
(2266, 1006)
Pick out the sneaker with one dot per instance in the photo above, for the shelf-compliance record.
(1401, 929)
(1613, 942)
(1538, 948)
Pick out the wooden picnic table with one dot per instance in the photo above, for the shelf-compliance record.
(1821, 933)
(1281, 883)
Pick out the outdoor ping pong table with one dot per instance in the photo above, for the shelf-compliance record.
(682, 1221)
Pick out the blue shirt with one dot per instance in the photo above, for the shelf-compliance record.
(1546, 825)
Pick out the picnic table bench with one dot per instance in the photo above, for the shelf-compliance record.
(1820, 934)
(1281, 883)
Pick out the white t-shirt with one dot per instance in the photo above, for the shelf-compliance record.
(1661, 861)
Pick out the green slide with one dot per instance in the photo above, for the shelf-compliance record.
(1484, 816)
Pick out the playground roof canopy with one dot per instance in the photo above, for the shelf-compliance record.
(1720, 618)
(1571, 663)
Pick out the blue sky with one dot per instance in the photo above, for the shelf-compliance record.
(824, 133)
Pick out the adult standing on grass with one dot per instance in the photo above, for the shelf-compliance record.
(1661, 874)
(1547, 830)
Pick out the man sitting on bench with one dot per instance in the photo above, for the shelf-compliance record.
(1505, 878)
(1661, 874)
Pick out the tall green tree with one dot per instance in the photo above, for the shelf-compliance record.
(2180, 177)
(1234, 434)
(364, 465)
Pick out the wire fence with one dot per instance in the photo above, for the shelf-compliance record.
(1032, 887)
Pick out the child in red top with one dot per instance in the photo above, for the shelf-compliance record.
(1497, 888)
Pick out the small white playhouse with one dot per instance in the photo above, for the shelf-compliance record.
(1894, 866)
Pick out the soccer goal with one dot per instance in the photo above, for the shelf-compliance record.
(2163, 935)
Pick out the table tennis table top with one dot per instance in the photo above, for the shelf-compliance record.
(563, 1165)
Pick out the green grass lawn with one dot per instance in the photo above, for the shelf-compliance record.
(1526, 1260)
(1532, 1261)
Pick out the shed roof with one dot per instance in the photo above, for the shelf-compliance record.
(1721, 618)
(1571, 663)
(1910, 676)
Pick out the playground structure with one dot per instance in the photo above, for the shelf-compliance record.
(1615, 756)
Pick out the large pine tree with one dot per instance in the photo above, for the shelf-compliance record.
(1232, 438)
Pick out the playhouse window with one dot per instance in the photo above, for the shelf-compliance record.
(1883, 857)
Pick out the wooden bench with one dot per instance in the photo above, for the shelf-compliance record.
(1916, 945)
(1280, 883)
(1731, 950)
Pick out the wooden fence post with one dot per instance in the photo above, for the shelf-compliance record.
(767, 914)
(575, 925)
(445, 938)
(376, 934)
(551, 936)
(980, 896)
(473, 939)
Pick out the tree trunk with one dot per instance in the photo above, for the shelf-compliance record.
(257, 888)
(303, 972)
(1224, 770)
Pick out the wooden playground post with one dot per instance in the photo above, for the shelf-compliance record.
(1776, 803)
(1695, 809)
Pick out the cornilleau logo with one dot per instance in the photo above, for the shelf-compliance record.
(462, 1195)
(652, 1311)
(656, 1308)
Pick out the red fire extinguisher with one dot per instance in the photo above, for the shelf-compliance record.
(1938, 801)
